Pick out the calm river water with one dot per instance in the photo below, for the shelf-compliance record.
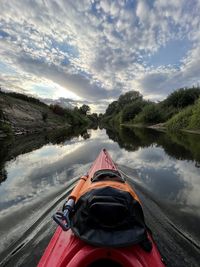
(36, 174)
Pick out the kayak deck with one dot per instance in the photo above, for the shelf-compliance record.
(103, 161)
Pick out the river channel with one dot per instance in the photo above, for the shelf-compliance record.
(37, 174)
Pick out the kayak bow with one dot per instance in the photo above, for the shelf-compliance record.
(102, 224)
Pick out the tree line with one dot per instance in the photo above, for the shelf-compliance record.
(132, 108)
(76, 116)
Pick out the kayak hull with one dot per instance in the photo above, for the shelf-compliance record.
(65, 249)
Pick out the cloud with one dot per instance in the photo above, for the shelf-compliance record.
(154, 83)
(98, 49)
(76, 82)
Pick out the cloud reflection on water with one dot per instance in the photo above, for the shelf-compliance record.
(33, 174)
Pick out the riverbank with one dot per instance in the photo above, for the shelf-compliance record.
(20, 117)
(159, 127)
(180, 111)
(24, 115)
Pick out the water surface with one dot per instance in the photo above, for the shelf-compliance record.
(38, 173)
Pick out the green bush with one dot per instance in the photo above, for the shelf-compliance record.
(188, 118)
(112, 108)
(149, 115)
(183, 97)
(131, 110)
(180, 120)
(166, 112)
(195, 117)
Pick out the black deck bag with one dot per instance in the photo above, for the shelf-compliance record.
(109, 217)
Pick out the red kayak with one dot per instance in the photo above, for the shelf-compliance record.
(101, 224)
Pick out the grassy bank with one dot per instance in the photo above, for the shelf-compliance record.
(187, 119)
(179, 111)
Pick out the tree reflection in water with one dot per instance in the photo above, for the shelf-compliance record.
(182, 146)
(12, 147)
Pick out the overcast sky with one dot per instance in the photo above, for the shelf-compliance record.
(94, 51)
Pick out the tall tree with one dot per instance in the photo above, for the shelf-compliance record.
(129, 97)
(84, 109)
